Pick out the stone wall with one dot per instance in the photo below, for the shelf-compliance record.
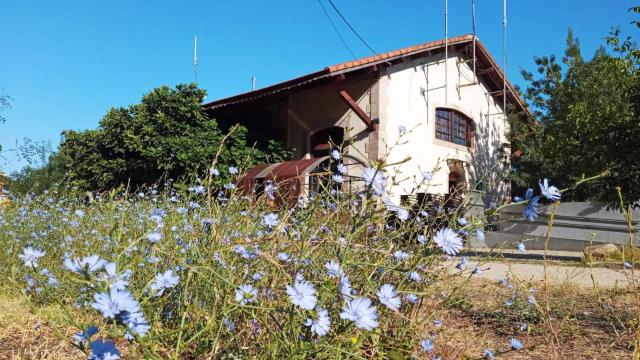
(575, 225)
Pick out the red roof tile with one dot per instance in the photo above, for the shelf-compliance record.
(481, 53)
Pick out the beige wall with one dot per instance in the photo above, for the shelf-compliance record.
(321, 107)
(403, 103)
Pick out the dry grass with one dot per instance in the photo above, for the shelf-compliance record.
(30, 335)
(592, 325)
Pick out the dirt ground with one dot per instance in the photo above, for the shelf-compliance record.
(587, 324)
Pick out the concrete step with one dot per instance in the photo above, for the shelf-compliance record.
(527, 255)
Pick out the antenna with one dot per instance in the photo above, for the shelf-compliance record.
(504, 60)
(253, 83)
(446, 50)
(195, 58)
(473, 28)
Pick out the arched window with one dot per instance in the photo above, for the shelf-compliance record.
(454, 127)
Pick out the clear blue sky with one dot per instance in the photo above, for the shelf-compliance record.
(65, 63)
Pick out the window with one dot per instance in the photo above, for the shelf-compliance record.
(454, 127)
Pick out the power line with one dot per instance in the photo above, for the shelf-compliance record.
(336, 29)
(351, 27)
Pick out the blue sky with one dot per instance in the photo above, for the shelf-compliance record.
(65, 63)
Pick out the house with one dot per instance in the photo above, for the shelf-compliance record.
(454, 116)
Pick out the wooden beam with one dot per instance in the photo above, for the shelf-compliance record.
(356, 109)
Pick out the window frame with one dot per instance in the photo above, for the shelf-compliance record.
(454, 132)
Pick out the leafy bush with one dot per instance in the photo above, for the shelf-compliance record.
(585, 122)
(167, 135)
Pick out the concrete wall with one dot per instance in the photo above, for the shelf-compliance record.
(576, 225)
(402, 102)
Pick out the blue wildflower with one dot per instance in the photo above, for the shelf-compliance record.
(136, 323)
(270, 220)
(463, 263)
(550, 192)
(448, 241)
(427, 345)
(115, 280)
(30, 256)
(199, 190)
(521, 247)
(246, 294)
(412, 298)
(335, 154)
(321, 325)
(233, 170)
(229, 324)
(86, 265)
(163, 281)
(115, 302)
(333, 269)
(344, 286)
(81, 338)
(155, 236)
(360, 311)
(422, 239)
(302, 294)
(401, 255)
(283, 256)
(375, 179)
(530, 210)
(103, 350)
(388, 297)
(414, 276)
(515, 344)
(427, 175)
(489, 354)
(402, 130)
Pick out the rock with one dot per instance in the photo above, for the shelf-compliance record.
(601, 251)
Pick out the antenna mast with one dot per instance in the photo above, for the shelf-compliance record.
(195, 58)
(446, 50)
(473, 27)
(504, 59)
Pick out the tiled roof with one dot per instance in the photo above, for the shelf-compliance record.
(400, 52)
(481, 52)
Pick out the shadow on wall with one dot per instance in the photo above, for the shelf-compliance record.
(489, 163)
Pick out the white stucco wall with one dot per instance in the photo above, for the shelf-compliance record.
(402, 102)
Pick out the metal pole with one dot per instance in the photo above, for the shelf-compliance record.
(446, 51)
(195, 58)
(473, 25)
(504, 60)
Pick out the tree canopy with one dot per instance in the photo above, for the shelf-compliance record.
(166, 135)
(586, 121)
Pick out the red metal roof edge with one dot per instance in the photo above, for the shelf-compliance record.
(355, 64)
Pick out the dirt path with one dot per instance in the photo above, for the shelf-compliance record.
(583, 277)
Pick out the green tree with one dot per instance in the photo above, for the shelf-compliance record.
(586, 121)
(167, 135)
